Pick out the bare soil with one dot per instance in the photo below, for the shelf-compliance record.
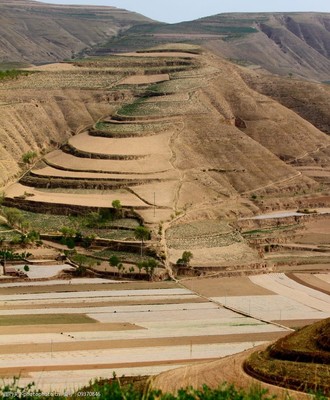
(30, 329)
(220, 287)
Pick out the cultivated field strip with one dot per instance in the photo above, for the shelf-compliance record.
(136, 355)
(273, 308)
(97, 293)
(287, 287)
(68, 162)
(53, 172)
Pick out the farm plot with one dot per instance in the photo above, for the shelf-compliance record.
(135, 330)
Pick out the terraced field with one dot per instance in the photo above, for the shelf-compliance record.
(131, 158)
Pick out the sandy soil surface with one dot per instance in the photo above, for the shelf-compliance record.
(324, 277)
(144, 79)
(124, 146)
(232, 286)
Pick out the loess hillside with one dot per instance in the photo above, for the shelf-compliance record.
(174, 131)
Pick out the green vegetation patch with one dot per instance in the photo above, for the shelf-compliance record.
(124, 256)
(103, 225)
(271, 230)
(45, 319)
(122, 129)
(12, 74)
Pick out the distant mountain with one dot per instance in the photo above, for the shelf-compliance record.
(283, 43)
(39, 33)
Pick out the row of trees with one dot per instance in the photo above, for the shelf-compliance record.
(148, 265)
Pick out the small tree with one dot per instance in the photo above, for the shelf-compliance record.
(148, 265)
(26, 268)
(118, 208)
(142, 233)
(29, 157)
(114, 261)
(185, 258)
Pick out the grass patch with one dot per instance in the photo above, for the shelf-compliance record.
(134, 129)
(46, 319)
(12, 74)
(123, 255)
